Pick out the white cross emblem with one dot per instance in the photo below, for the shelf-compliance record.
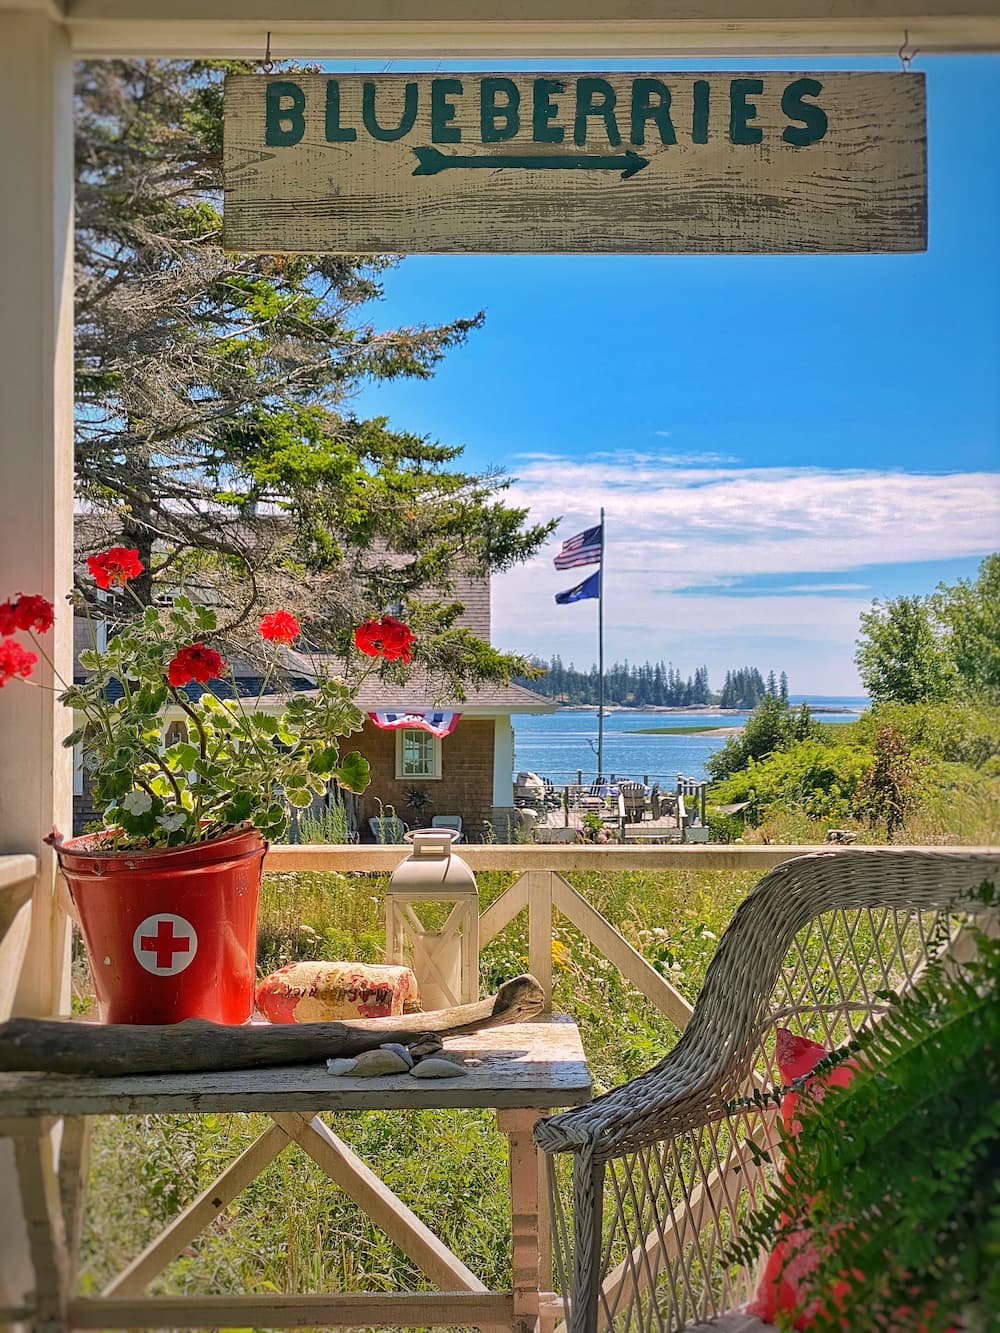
(164, 944)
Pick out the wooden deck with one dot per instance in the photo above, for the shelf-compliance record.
(663, 830)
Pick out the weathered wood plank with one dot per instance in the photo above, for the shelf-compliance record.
(565, 162)
(539, 1064)
(333, 1310)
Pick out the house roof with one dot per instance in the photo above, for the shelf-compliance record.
(424, 691)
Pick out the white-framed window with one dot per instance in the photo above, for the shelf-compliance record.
(418, 754)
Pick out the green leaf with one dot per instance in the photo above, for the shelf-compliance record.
(184, 754)
(354, 772)
(299, 797)
(239, 808)
(324, 761)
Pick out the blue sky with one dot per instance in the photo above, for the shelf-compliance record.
(777, 440)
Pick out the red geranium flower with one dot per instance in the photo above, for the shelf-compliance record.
(115, 566)
(195, 662)
(8, 618)
(388, 638)
(279, 627)
(14, 660)
(32, 612)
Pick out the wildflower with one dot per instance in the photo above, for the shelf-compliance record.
(115, 566)
(280, 627)
(14, 660)
(388, 638)
(196, 662)
(138, 802)
(560, 953)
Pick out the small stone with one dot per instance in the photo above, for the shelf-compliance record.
(436, 1068)
(340, 1066)
(372, 1064)
(401, 1051)
(428, 1044)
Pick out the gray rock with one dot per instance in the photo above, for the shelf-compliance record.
(433, 1067)
(428, 1044)
(340, 1066)
(399, 1050)
(372, 1064)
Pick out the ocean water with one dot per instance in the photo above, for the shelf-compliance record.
(558, 745)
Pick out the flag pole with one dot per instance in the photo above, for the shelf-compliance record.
(600, 657)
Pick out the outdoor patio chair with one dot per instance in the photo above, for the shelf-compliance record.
(387, 828)
(451, 822)
(634, 797)
(662, 1171)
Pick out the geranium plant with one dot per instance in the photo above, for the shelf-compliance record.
(242, 763)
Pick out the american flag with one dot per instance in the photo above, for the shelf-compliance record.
(583, 549)
(438, 724)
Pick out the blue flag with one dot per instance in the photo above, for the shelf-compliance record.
(588, 588)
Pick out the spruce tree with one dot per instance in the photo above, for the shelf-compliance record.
(214, 429)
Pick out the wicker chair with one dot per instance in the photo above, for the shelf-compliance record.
(662, 1171)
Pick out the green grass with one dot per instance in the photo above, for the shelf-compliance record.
(292, 1230)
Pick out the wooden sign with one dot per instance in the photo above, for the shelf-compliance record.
(610, 163)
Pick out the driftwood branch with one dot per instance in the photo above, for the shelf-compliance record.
(53, 1046)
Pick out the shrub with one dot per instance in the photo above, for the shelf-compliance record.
(816, 778)
(771, 726)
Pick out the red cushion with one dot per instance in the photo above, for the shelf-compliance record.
(792, 1261)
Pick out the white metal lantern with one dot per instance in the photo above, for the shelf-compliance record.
(446, 959)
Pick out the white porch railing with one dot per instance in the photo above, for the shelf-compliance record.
(542, 888)
(17, 880)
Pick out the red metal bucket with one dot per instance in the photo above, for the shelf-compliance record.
(171, 931)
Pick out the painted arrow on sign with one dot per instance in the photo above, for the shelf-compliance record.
(431, 160)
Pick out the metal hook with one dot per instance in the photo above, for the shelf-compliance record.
(906, 55)
(268, 64)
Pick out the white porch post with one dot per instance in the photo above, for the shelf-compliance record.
(503, 762)
(36, 454)
(36, 505)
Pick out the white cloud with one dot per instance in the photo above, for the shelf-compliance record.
(675, 527)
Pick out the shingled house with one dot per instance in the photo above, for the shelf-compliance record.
(438, 756)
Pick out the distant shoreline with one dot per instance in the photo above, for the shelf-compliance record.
(697, 709)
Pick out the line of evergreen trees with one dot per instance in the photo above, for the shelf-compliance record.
(654, 685)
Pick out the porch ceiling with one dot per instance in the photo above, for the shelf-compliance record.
(545, 28)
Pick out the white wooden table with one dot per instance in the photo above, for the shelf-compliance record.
(524, 1069)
